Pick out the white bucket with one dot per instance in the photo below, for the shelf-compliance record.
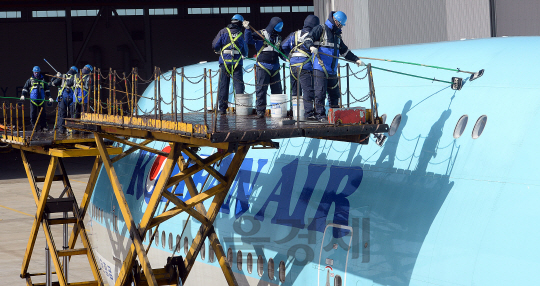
(278, 105)
(244, 104)
(302, 112)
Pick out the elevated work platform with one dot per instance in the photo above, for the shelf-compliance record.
(232, 136)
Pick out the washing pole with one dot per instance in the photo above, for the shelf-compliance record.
(456, 83)
(277, 50)
(474, 76)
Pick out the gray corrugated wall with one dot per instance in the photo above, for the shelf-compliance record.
(517, 17)
(378, 23)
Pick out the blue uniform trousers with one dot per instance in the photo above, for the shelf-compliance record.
(306, 87)
(63, 111)
(224, 80)
(34, 112)
(322, 84)
(263, 79)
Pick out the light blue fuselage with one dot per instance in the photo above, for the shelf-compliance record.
(423, 209)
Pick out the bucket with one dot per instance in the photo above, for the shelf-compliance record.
(278, 105)
(302, 113)
(244, 104)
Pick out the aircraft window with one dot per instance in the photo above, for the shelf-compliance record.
(211, 256)
(337, 280)
(479, 127)
(116, 223)
(239, 260)
(163, 239)
(170, 241)
(282, 271)
(156, 238)
(185, 245)
(260, 265)
(395, 125)
(460, 126)
(177, 243)
(203, 251)
(271, 269)
(230, 256)
(249, 263)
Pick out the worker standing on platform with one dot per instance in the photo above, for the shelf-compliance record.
(65, 96)
(83, 83)
(231, 46)
(267, 61)
(39, 91)
(327, 39)
(301, 63)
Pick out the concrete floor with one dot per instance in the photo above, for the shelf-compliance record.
(17, 210)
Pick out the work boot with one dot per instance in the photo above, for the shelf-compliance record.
(312, 118)
(323, 120)
(44, 129)
(260, 114)
(223, 112)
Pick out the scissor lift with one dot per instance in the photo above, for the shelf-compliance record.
(66, 203)
(185, 133)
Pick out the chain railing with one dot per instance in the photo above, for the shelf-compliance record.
(116, 94)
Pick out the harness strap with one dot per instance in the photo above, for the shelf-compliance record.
(231, 52)
(271, 75)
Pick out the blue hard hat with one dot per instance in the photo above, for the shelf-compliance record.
(89, 67)
(237, 17)
(75, 68)
(340, 17)
(36, 69)
(279, 27)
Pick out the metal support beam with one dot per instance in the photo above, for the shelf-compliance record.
(128, 218)
(126, 31)
(81, 52)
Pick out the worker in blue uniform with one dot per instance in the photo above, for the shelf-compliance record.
(229, 43)
(38, 89)
(326, 38)
(267, 66)
(83, 84)
(65, 85)
(301, 64)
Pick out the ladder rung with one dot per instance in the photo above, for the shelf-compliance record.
(55, 178)
(59, 205)
(39, 274)
(55, 283)
(62, 220)
(70, 252)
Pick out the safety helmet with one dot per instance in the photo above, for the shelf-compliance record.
(89, 67)
(341, 18)
(279, 27)
(36, 69)
(237, 17)
(75, 68)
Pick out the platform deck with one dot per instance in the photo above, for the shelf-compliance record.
(228, 128)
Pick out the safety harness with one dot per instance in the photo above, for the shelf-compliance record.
(64, 84)
(323, 42)
(268, 48)
(233, 50)
(297, 52)
(39, 85)
(79, 84)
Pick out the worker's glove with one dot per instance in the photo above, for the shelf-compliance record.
(360, 63)
(58, 99)
(51, 100)
(58, 74)
(245, 24)
(22, 97)
(314, 51)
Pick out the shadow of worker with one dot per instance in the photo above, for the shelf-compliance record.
(429, 149)
(391, 144)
